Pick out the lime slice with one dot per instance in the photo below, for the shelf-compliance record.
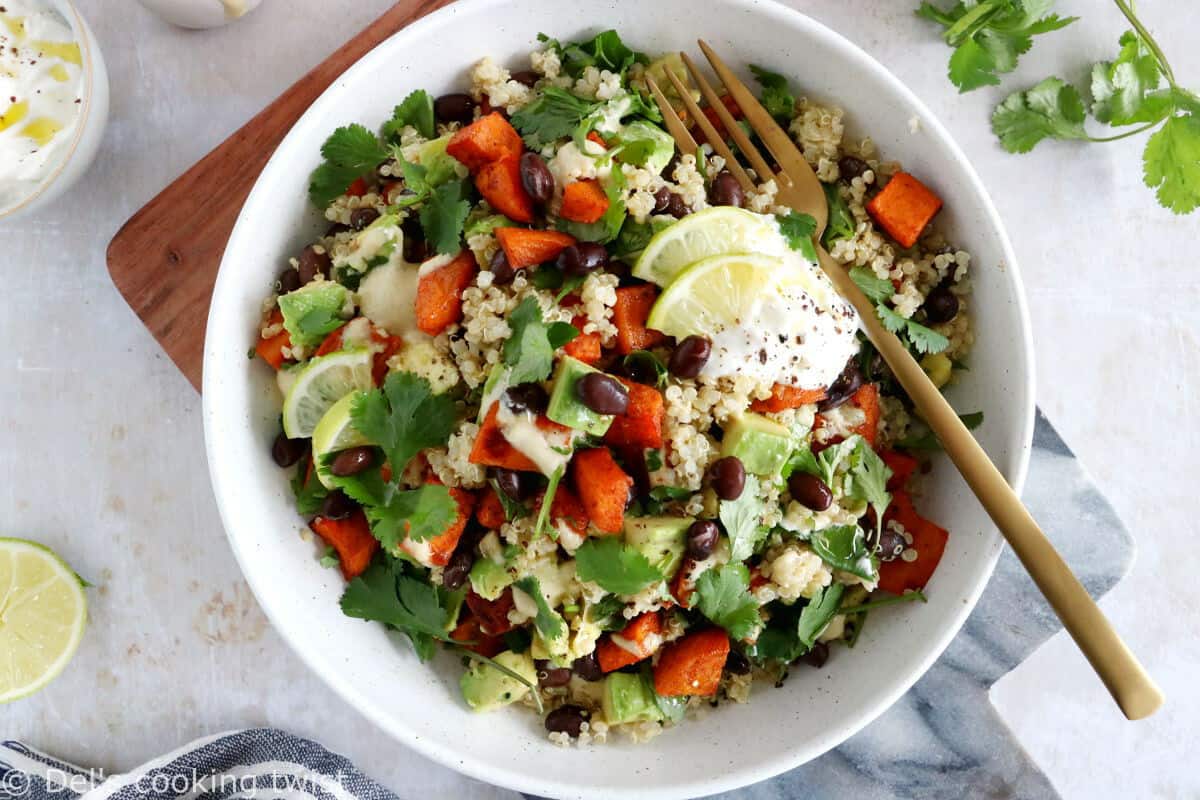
(43, 610)
(335, 432)
(717, 231)
(715, 294)
(320, 384)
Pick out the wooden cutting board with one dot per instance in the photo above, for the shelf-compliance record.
(164, 260)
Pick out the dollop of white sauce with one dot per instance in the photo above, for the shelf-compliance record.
(800, 332)
(549, 450)
(41, 84)
(387, 297)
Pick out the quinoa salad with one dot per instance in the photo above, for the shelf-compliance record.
(585, 413)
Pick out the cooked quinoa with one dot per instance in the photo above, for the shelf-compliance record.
(618, 526)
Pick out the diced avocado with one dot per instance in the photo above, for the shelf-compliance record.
(486, 688)
(661, 540)
(627, 698)
(762, 445)
(566, 408)
(312, 312)
(555, 650)
(489, 579)
(657, 69)
(645, 145)
(439, 165)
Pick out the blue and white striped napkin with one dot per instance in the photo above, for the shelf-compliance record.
(259, 763)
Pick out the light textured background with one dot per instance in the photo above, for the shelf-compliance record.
(101, 451)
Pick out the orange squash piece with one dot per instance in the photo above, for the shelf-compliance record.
(784, 397)
(439, 293)
(487, 139)
(525, 247)
(583, 201)
(904, 207)
(351, 539)
(642, 634)
(603, 488)
(692, 665)
(929, 542)
(629, 315)
(500, 184)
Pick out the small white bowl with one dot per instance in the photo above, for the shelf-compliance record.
(420, 704)
(93, 117)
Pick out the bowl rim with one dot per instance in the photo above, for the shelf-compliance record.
(514, 777)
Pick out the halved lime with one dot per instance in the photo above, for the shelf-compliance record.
(43, 611)
(717, 231)
(715, 294)
(335, 432)
(320, 384)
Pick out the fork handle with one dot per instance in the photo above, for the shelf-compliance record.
(1124, 677)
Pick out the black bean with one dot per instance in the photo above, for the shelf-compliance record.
(352, 461)
(726, 191)
(313, 263)
(844, 387)
(676, 207)
(817, 655)
(702, 539)
(662, 200)
(851, 167)
(588, 667)
(525, 77)
(602, 393)
(285, 451)
(728, 477)
(567, 719)
(456, 107)
(810, 491)
(337, 505)
(690, 356)
(736, 663)
(536, 178)
(526, 397)
(550, 676)
(336, 228)
(289, 280)
(514, 485)
(891, 545)
(582, 258)
(454, 575)
(502, 271)
(941, 305)
(362, 217)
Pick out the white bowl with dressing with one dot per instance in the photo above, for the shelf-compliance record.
(419, 704)
(63, 145)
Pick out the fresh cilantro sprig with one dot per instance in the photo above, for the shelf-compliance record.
(529, 352)
(350, 152)
(798, 230)
(793, 630)
(615, 567)
(844, 547)
(416, 110)
(988, 36)
(310, 493)
(742, 519)
(416, 514)
(879, 291)
(605, 50)
(776, 96)
(723, 595)
(1137, 88)
(555, 114)
(404, 417)
(444, 215)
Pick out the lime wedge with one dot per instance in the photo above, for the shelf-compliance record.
(717, 231)
(715, 294)
(335, 432)
(320, 384)
(43, 610)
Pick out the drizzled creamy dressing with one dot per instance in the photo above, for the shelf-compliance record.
(549, 450)
(41, 80)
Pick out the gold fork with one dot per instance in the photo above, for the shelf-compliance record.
(798, 188)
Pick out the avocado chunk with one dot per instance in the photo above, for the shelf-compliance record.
(662, 540)
(489, 579)
(762, 445)
(439, 165)
(566, 408)
(312, 312)
(628, 698)
(645, 145)
(486, 688)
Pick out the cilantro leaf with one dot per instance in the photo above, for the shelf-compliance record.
(742, 519)
(543, 517)
(798, 229)
(403, 418)
(554, 115)
(1120, 87)
(528, 352)
(841, 223)
(776, 97)
(548, 622)
(415, 182)
(417, 514)
(844, 547)
(616, 568)
(443, 216)
(723, 595)
(606, 228)
(415, 110)
(350, 152)
(792, 630)
(605, 50)
(868, 479)
(414, 607)
(817, 614)
(971, 66)
(367, 488)
(310, 493)
(312, 312)
(877, 290)
(1172, 163)
(924, 340)
(1052, 109)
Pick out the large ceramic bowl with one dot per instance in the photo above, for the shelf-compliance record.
(419, 704)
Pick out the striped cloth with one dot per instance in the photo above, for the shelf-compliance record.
(260, 763)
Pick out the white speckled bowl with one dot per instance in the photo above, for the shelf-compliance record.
(419, 704)
(93, 118)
